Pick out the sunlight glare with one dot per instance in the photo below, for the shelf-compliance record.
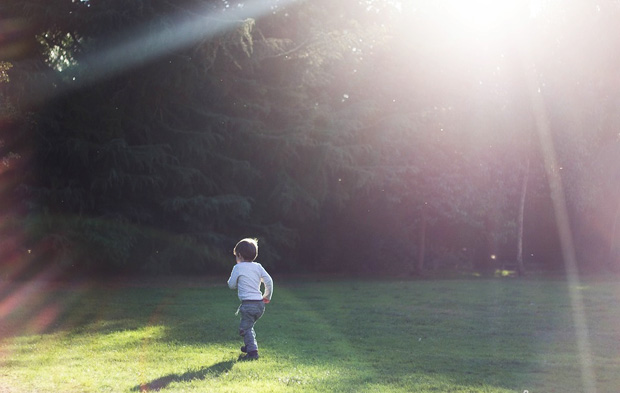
(481, 18)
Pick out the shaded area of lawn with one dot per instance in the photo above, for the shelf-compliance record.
(160, 383)
(471, 334)
(458, 335)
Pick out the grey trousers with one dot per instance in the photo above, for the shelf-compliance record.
(250, 311)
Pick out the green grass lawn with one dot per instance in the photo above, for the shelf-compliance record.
(478, 335)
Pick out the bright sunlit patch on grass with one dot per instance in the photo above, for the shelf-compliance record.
(505, 273)
(132, 337)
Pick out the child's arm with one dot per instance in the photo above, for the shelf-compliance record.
(234, 275)
(266, 279)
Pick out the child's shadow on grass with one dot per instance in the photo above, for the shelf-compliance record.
(161, 383)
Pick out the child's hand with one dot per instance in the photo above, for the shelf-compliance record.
(265, 300)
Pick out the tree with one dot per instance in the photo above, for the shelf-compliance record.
(349, 130)
(173, 154)
(576, 94)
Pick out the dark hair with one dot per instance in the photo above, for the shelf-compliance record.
(247, 249)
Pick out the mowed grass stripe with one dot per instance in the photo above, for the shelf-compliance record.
(474, 335)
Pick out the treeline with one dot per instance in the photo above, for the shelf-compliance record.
(348, 136)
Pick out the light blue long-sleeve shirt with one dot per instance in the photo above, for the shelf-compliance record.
(247, 277)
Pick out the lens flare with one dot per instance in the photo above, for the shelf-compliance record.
(563, 225)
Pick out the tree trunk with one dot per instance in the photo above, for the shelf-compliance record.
(520, 265)
(612, 241)
(421, 242)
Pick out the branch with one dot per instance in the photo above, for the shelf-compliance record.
(288, 52)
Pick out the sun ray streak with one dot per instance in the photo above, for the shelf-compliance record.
(542, 124)
(14, 299)
(147, 45)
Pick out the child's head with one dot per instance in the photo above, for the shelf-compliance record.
(247, 249)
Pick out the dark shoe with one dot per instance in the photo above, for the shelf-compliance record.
(252, 355)
(244, 349)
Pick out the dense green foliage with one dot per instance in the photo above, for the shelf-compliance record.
(147, 135)
(335, 336)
